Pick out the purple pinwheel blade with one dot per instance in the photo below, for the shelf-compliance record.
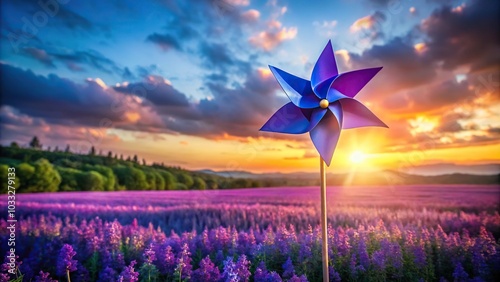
(336, 109)
(350, 83)
(297, 89)
(288, 119)
(325, 136)
(357, 115)
(325, 67)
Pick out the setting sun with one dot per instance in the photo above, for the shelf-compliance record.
(357, 157)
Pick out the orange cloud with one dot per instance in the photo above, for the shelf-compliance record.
(251, 15)
(273, 37)
(362, 23)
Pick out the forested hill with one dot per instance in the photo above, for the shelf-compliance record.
(40, 170)
(54, 170)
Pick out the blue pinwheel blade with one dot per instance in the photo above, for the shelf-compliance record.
(357, 115)
(350, 83)
(297, 89)
(316, 116)
(288, 119)
(321, 90)
(325, 69)
(325, 136)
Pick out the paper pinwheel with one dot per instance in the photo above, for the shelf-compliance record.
(324, 105)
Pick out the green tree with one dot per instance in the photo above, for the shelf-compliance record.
(198, 183)
(44, 179)
(92, 151)
(69, 178)
(180, 186)
(35, 143)
(160, 182)
(185, 179)
(91, 181)
(151, 180)
(168, 178)
(14, 145)
(211, 183)
(4, 172)
(130, 177)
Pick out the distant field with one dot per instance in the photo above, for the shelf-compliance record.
(376, 234)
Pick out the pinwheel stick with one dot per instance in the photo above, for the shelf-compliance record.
(324, 229)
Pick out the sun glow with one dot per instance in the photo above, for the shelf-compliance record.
(357, 157)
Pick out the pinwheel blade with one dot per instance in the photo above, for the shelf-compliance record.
(325, 68)
(297, 89)
(316, 116)
(350, 83)
(357, 115)
(288, 119)
(336, 109)
(325, 136)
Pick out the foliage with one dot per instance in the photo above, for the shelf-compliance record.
(51, 171)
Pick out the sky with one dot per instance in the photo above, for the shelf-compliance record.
(187, 83)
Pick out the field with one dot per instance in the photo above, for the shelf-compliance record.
(398, 233)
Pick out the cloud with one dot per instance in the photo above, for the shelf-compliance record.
(39, 55)
(273, 36)
(250, 16)
(157, 90)
(370, 26)
(470, 32)
(165, 41)
(429, 98)
(325, 28)
(60, 101)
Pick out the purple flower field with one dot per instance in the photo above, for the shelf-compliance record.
(405, 233)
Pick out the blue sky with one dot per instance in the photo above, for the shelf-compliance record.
(194, 73)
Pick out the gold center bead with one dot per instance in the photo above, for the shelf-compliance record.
(324, 103)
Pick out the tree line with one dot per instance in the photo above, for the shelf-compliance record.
(53, 170)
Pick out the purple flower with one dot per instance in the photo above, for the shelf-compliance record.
(364, 259)
(112, 234)
(288, 270)
(128, 274)
(242, 268)
(230, 274)
(262, 275)
(42, 277)
(107, 275)
(207, 271)
(301, 278)
(166, 261)
(65, 261)
(334, 275)
(184, 267)
(149, 255)
(459, 273)
(378, 259)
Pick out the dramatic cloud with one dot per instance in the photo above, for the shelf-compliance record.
(60, 101)
(465, 37)
(273, 36)
(370, 26)
(156, 90)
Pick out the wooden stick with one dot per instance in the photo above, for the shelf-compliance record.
(324, 224)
